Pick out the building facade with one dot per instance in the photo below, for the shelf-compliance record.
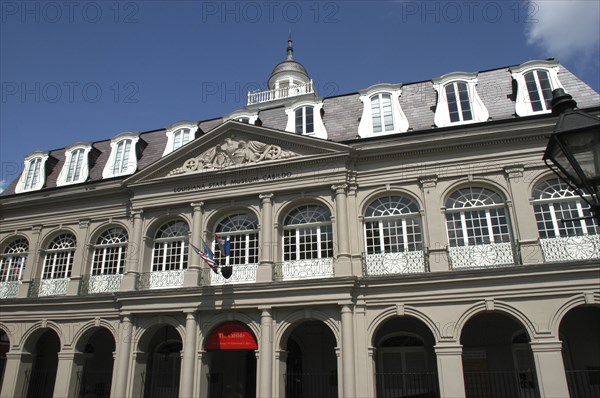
(402, 241)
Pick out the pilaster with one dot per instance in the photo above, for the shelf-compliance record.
(550, 368)
(450, 370)
(264, 273)
(343, 266)
(192, 275)
(134, 253)
(433, 218)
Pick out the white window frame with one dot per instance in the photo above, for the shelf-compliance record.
(13, 260)
(442, 113)
(131, 159)
(173, 130)
(365, 127)
(523, 105)
(57, 254)
(63, 177)
(298, 231)
(167, 244)
(319, 130)
(110, 248)
(34, 173)
(241, 230)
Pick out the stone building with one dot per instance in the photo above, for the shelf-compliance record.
(404, 240)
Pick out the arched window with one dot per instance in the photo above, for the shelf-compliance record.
(58, 261)
(180, 138)
(539, 89)
(12, 261)
(392, 224)
(478, 229)
(171, 247)
(109, 252)
(381, 113)
(303, 117)
(241, 230)
(554, 204)
(459, 103)
(307, 233)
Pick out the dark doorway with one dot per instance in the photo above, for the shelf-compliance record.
(164, 364)
(95, 376)
(42, 376)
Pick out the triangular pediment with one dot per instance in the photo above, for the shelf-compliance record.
(235, 145)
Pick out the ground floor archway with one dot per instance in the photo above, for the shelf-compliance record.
(40, 379)
(94, 377)
(4, 348)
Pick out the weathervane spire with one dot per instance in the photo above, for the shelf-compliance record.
(290, 49)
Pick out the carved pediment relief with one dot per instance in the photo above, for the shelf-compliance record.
(233, 152)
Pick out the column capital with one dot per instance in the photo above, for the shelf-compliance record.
(514, 171)
(85, 223)
(190, 313)
(339, 188)
(448, 349)
(197, 206)
(429, 181)
(266, 197)
(36, 229)
(546, 346)
(136, 213)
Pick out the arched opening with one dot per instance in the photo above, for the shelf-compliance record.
(405, 361)
(579, 331)
(231, 359)
(41, 377)
(96, 365)
(163, 365)
(311, 363)
(4, 347)
(497, 358)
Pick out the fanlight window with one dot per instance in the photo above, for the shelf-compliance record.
(109, 252)
(307, 233)
(58, 261)
(555, 201)
(476, 216)
(170, 250)
(241, 230)
(392, 224)
(12, 261)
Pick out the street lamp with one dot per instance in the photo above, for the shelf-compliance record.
(574, 149)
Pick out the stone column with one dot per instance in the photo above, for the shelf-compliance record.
(523, 218)
(134, 253)
(188, 365)
(268, 246)
(66, 378)
(434, 223)
(121, 371)
(265, 360)
(550, 368)
(450, 370)
(348, 375)
(79, 260)
(193, 273)
(343, 266)
(17, 364)
(33, 260)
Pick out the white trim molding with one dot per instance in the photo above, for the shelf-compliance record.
(523, 104)
(318, 130)
(399, 120)
(75, 170)
(238, 116)
(34, 172)
(126, 156)
(477, 112)
(171, 133)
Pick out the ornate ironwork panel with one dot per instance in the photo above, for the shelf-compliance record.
(394, 263)
(240, 274)
(48, 287)
(571, 248)
(9, 289)
(487, 255)
(304, 269)
(160, 279)
(96, 284)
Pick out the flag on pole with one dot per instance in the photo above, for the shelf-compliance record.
(207, 255)
(225, 248)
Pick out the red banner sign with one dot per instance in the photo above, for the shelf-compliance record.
(231, 336)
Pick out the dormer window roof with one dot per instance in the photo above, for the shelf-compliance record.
(535, 82)
(304, 118)
(179, 134)
(34, 173)
(76, 167)
(457, 100)
(382, 113)
(123, 156)
(243, 116)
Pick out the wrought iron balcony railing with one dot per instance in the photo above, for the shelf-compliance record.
(304, 269)
(48, 287)
(399, 263)
(9, 289)
(571, 248)
(98, 284)
(487, 255)
(160, 279)
(245, 273)
(258, 97)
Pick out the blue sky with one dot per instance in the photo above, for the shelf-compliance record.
(88, 70)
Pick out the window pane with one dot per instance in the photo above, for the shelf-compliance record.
(309, 120)
(532, 90)
(299, 121)
(386, 100)
(545, 87)
(376, 114)
(452, 105)
(465, 103)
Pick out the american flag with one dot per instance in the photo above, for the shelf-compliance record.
(207, 255)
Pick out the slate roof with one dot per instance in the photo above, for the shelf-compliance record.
(342, 116)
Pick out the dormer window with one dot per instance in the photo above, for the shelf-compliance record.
(381, 111)
(535, 82)
(305, 118)
(178, 135)
(458, 101)
(76, 167)
(123, 156)
(34, 174)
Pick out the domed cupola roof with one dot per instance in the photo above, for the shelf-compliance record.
(289, 68)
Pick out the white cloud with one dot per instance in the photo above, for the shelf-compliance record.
(565, 29)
